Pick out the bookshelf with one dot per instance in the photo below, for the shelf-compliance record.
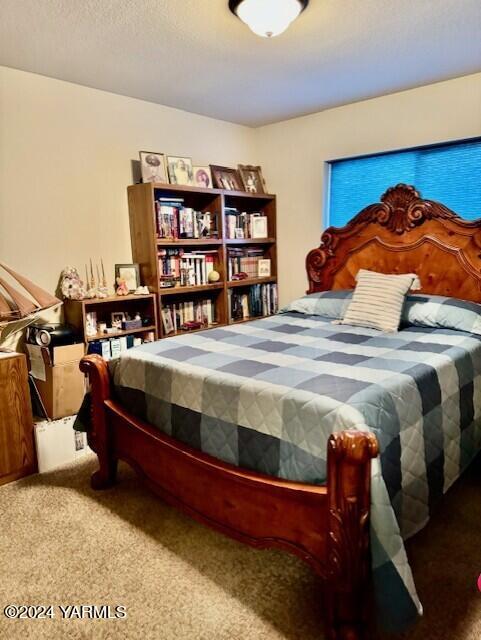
(147, 246)
(77, 312)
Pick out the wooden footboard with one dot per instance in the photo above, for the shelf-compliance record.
(326, 526)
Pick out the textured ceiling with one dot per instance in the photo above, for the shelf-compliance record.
(195, 55)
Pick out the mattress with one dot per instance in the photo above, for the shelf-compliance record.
(266, 395)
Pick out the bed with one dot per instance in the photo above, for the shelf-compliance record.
(270, 431)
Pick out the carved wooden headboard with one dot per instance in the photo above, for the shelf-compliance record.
(402, 234)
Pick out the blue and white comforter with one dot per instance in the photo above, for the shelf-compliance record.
(266, 395)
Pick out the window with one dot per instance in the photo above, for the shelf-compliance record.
(449, 173)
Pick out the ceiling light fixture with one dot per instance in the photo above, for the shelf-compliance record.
(267, 18)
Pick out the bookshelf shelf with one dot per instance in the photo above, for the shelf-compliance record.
(181, 332)
(148, 249)
(234, 241)
(188, 242)
(118, 334)
(249, 281)
(175, 291)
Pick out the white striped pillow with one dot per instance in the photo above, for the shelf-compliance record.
(378, 299)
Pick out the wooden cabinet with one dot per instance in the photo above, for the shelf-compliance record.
(17, 452)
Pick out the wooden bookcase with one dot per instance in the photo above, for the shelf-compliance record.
(76, 314)
(146, 244)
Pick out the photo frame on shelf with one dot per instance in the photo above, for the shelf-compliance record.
(130, 273)
(239, 233)
(264, 268)
(180, 170)
(167, 321)
(202, 177)
(252, 178)
(226, 178)
(153, 167)
(259, 227)
(116, 319)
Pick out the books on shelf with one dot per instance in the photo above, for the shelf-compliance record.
(175, 221)
(244, 260)
(191, 314)
(112, 347)
(258, 300)
(188, 268)
(245, 225)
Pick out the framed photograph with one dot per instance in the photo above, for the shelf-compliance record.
(167, 320)
(264, 268)
(152, 167)
(239, 233)
(226, 178)
(116, 319)
(259, 227)
(202, 177)
(180, 170)
(252, 179)
(130, 273)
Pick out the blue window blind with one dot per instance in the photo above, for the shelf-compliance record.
(449, 173)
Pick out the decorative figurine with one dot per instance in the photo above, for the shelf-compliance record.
(71, 285)
(122, 288)
(91, 290)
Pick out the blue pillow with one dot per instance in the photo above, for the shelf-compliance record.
(442, 312)
(330, 304)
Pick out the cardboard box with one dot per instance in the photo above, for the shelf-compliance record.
(59, 381)
(57, 443)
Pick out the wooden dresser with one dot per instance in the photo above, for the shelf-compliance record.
(17, 452)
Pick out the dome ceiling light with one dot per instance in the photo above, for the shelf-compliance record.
(267, 18)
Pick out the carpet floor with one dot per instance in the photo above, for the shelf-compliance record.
(63, 544)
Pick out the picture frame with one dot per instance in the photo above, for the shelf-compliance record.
(239, 233)
(116, 319)
(153, 167)
(180, 170)
(226, 178)
(167, 321)
(202, 177)
(252, 178)
(264, 268)
(131, 274)
(259, 227)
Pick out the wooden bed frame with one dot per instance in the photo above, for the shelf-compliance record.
(327, 526)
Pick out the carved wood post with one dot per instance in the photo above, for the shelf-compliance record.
(99, 437)
(348, 485)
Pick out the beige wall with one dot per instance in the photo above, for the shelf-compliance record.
(292, 154)
(65, 155)
(65, 163)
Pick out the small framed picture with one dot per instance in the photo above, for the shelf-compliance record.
(130, 273)
(116, 319)
(259, 227)
(264, 268)
(239, 233)
(252, 178)
(226, 178)
(167, 321)
(202, 177)
(180, 170)
(152, 166)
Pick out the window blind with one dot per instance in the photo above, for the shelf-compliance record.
(449, 173)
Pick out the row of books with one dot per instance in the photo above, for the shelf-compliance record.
(244, 260)
(113, 347)
(175, 221)
(188, 268)
(245, 225)
(259, 300)
(194, 314)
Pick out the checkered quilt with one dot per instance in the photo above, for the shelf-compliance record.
(266, 395)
